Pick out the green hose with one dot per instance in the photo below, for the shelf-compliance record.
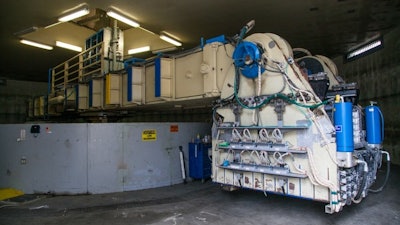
(267, 100)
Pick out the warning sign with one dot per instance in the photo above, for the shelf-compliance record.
(174, 128)
(149, 135)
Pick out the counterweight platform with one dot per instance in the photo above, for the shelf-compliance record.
(201, 203)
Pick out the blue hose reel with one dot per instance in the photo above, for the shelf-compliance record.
(246, 56)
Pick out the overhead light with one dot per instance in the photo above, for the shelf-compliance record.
(35, 44)
(52, 25)
(74, 13)
(164, 50)
(26, 31)
(365, 49)
(170, 40)
(138, 50)
(68, 46)
(118, 16)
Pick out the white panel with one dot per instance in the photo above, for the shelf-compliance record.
(258, 181)
(228, 175)
(115, 82)
(149, 82)
(97, 93)
(137, 75)
(166, 78)
(189, 80)
(216, 65)
(70, 94)
(138, 84)
(248, 179)
(137, 93)
(269, 183)
(83, 97)
(166, 91)
(293, 186)
(219, 175)
(307, 189)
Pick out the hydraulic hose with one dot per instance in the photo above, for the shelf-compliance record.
(246, 29)
(386, 177)
(364, 180)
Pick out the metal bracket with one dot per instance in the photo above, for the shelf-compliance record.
(279, 105)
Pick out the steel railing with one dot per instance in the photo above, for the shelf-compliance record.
(78, 69)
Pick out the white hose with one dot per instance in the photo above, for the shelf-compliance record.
(236, 135)
(291, 86)
(365, 171)
(277, 135)
(318, 125)
(264, 157)
(322, 181)
(247, 135)
(364, 163)
(258, 155)
(263, 134)
(255, 122)
(309, 175)
(280, 157)
(241, 153)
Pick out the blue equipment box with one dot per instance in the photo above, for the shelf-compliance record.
(199, 161)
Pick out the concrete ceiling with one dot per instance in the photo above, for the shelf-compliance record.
(326, 27)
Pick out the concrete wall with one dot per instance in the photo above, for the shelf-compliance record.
(93, 158)
(378, 78)
(14, 96)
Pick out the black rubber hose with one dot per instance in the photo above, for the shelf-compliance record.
(362, 186)
(385, 181)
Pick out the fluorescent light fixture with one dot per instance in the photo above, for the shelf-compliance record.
(68, 46)
(35, 44)
(77, 12)
(122, 18)
(26, 31)
(52, 25)
(164, 50)
(365, 49)
(138, 50)
(170, 40)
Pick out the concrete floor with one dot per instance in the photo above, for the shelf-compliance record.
(200, 203)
